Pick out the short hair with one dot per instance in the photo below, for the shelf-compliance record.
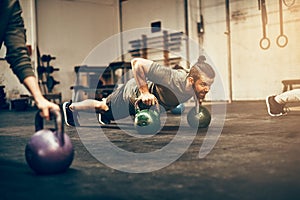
(201, 67)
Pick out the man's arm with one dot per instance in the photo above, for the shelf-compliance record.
(43, 104)
(15, 42)
(140, 69)
(19, 60)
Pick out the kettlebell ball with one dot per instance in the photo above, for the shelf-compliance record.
(200, 119)
(49, 151)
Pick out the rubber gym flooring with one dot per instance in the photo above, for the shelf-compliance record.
(255, 157)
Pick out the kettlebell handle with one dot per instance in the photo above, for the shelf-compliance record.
(136, 106)
(59, 128)
(197, 104)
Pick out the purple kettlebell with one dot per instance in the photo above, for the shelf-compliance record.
(49, 151)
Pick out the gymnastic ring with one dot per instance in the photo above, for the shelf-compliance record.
(289, 4)
(267, 41)
(285, 39)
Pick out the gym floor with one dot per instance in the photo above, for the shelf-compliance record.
(256, 157)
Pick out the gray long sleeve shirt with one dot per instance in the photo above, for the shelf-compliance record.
(13, 35)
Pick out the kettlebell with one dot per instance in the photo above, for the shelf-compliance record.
(147, 121)
(179, 109)
(49, 151)
(200, 119)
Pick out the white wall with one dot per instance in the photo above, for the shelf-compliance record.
(140, 13)
(257, 72)
(214, 38)
(69, 30)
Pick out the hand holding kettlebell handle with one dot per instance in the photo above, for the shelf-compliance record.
(59, 128)
(147, 121)
(136, 106)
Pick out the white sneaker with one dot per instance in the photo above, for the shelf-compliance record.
(102, 120)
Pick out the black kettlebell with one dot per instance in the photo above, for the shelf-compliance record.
(200, 119)
(147, 121)
(49, 151)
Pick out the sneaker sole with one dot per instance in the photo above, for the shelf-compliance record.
(99, 119)
(65, 113)
(269, 109)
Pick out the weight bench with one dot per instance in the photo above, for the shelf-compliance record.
(90, 83)
(288, 84)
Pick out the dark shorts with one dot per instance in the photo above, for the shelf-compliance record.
(119, 107)
(121, 102)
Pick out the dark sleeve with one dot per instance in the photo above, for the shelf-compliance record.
(15, 41)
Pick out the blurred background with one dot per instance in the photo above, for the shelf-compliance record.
(229, 31)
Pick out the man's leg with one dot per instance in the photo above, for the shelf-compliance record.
(71, 109)
(115, 106)
(288, 96)
(89, 105)
(276, 103)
